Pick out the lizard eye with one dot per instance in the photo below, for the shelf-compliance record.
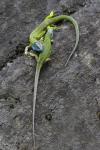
(37, 47)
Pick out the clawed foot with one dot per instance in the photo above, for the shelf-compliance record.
(28, 53)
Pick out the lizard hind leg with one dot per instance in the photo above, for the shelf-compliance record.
(48, 59)
(33, 55)
(26, 50)
(28, 53)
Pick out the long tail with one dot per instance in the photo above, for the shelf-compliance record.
(74, 22)
(77, 39)
(38, 68)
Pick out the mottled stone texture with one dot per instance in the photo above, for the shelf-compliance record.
(68, 97)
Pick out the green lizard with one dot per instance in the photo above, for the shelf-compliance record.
(44, 31)
(41, 59)
(51, 19)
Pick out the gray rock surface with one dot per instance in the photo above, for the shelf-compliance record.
(68, 97)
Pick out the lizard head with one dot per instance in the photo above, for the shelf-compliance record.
(37, 46)
(51, 15)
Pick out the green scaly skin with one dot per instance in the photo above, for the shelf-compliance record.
(40, 30)
(43, 57)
